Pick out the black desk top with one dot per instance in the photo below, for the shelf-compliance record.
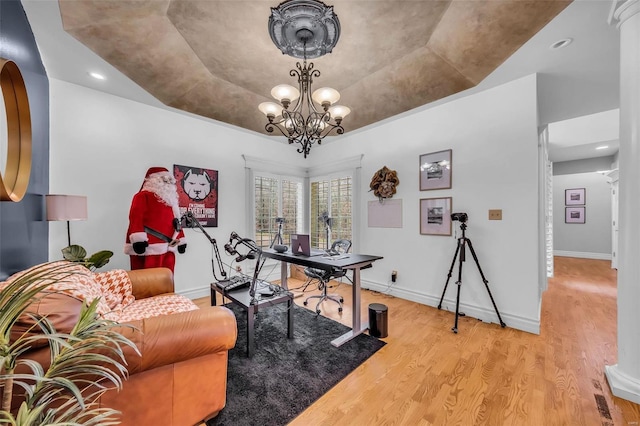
(242, 297)
(347, 261)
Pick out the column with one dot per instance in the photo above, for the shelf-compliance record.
(624, 377)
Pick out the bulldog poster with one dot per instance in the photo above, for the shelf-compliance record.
(198, 193)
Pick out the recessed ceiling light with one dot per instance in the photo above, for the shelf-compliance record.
(602, 147)
(97, 76)
(561, 43)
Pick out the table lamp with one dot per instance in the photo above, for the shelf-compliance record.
(66, 207)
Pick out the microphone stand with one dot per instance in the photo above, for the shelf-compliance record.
(190, 221)
(253, 249)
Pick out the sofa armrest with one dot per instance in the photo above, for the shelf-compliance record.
(179, 337)
(151, 282)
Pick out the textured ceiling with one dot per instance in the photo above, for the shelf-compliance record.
(215, 58)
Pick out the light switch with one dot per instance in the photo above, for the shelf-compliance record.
(495, 214)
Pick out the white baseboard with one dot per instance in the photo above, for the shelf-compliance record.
(582, 255)
(482, 313)
(621, 385)
(196, 293)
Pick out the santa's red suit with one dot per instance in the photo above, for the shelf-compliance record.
(155, 207)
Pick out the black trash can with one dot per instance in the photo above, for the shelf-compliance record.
(378, 325)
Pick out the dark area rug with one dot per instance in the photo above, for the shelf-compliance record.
(285, 376)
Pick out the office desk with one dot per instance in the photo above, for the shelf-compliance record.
(354, 262)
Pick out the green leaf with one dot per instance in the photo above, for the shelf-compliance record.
(74, 253)
(99, 259)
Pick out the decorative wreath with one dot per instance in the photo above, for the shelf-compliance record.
(384, 182)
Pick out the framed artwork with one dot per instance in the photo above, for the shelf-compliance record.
(198, 193)
(435, 216)
(574, 215)
(575, 197)
(435, 170)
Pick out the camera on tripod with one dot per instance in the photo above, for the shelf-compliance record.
(462, 217)
(279, 219)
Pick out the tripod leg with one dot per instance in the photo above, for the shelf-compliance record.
(459, 284)
(486, 283)
(453, 262)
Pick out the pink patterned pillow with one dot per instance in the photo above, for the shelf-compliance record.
(68, 278)
(116, 286)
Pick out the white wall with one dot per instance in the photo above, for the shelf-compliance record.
(593, 238)
(102, 146)
(493, 136)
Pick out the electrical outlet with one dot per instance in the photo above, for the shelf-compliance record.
(495, 214)
(394, 276)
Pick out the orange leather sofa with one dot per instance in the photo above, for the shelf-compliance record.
(180, 379)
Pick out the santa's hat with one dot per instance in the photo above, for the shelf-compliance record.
(153, 170)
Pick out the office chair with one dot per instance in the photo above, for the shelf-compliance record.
(323, 277)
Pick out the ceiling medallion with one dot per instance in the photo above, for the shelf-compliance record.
(304, 29)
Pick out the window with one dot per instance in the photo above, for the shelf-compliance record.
(330, 197)
(276, 197)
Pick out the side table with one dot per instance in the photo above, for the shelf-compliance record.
(242, 298)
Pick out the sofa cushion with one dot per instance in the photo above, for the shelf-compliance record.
(164, 304)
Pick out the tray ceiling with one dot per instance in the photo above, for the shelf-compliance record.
(216, 59)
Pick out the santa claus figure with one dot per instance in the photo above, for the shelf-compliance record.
(154, 233)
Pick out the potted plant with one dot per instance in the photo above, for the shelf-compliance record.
(78, 254)
(83, 362)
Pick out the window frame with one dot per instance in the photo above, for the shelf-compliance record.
(329, 177)
(300, 219)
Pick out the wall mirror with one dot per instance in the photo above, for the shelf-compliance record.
(15, 134)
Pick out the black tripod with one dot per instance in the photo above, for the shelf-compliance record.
(277, 239)
(460, 249)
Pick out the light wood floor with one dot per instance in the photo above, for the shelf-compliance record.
(486, 375)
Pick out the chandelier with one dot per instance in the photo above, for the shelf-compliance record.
(304, 29)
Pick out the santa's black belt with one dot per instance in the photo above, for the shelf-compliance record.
(157, 234)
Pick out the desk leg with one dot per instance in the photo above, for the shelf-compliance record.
(283, 275)
(213, 295)
(250, 334)
(290, 318)
(356, 328)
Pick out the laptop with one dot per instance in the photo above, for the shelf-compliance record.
(301, 245)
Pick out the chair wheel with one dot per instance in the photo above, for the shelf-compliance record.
(341, 300)
(305, 303)
(339, 309)
(318, 311)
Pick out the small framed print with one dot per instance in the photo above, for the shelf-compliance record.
(574, 215)
(575, 197)
(435, 170)
(435, 216)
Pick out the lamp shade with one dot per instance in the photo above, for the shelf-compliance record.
(270, 109)
(325, 95)
(66, 207)
(339, 111)
(284, 92)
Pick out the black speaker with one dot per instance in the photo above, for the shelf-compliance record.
(280, 248)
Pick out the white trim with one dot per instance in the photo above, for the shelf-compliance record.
(482, 313)
(339, 166)
(197, 293)
(283, 169)
(622, 385)
(582, 255)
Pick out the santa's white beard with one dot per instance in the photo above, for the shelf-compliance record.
(166, 192)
